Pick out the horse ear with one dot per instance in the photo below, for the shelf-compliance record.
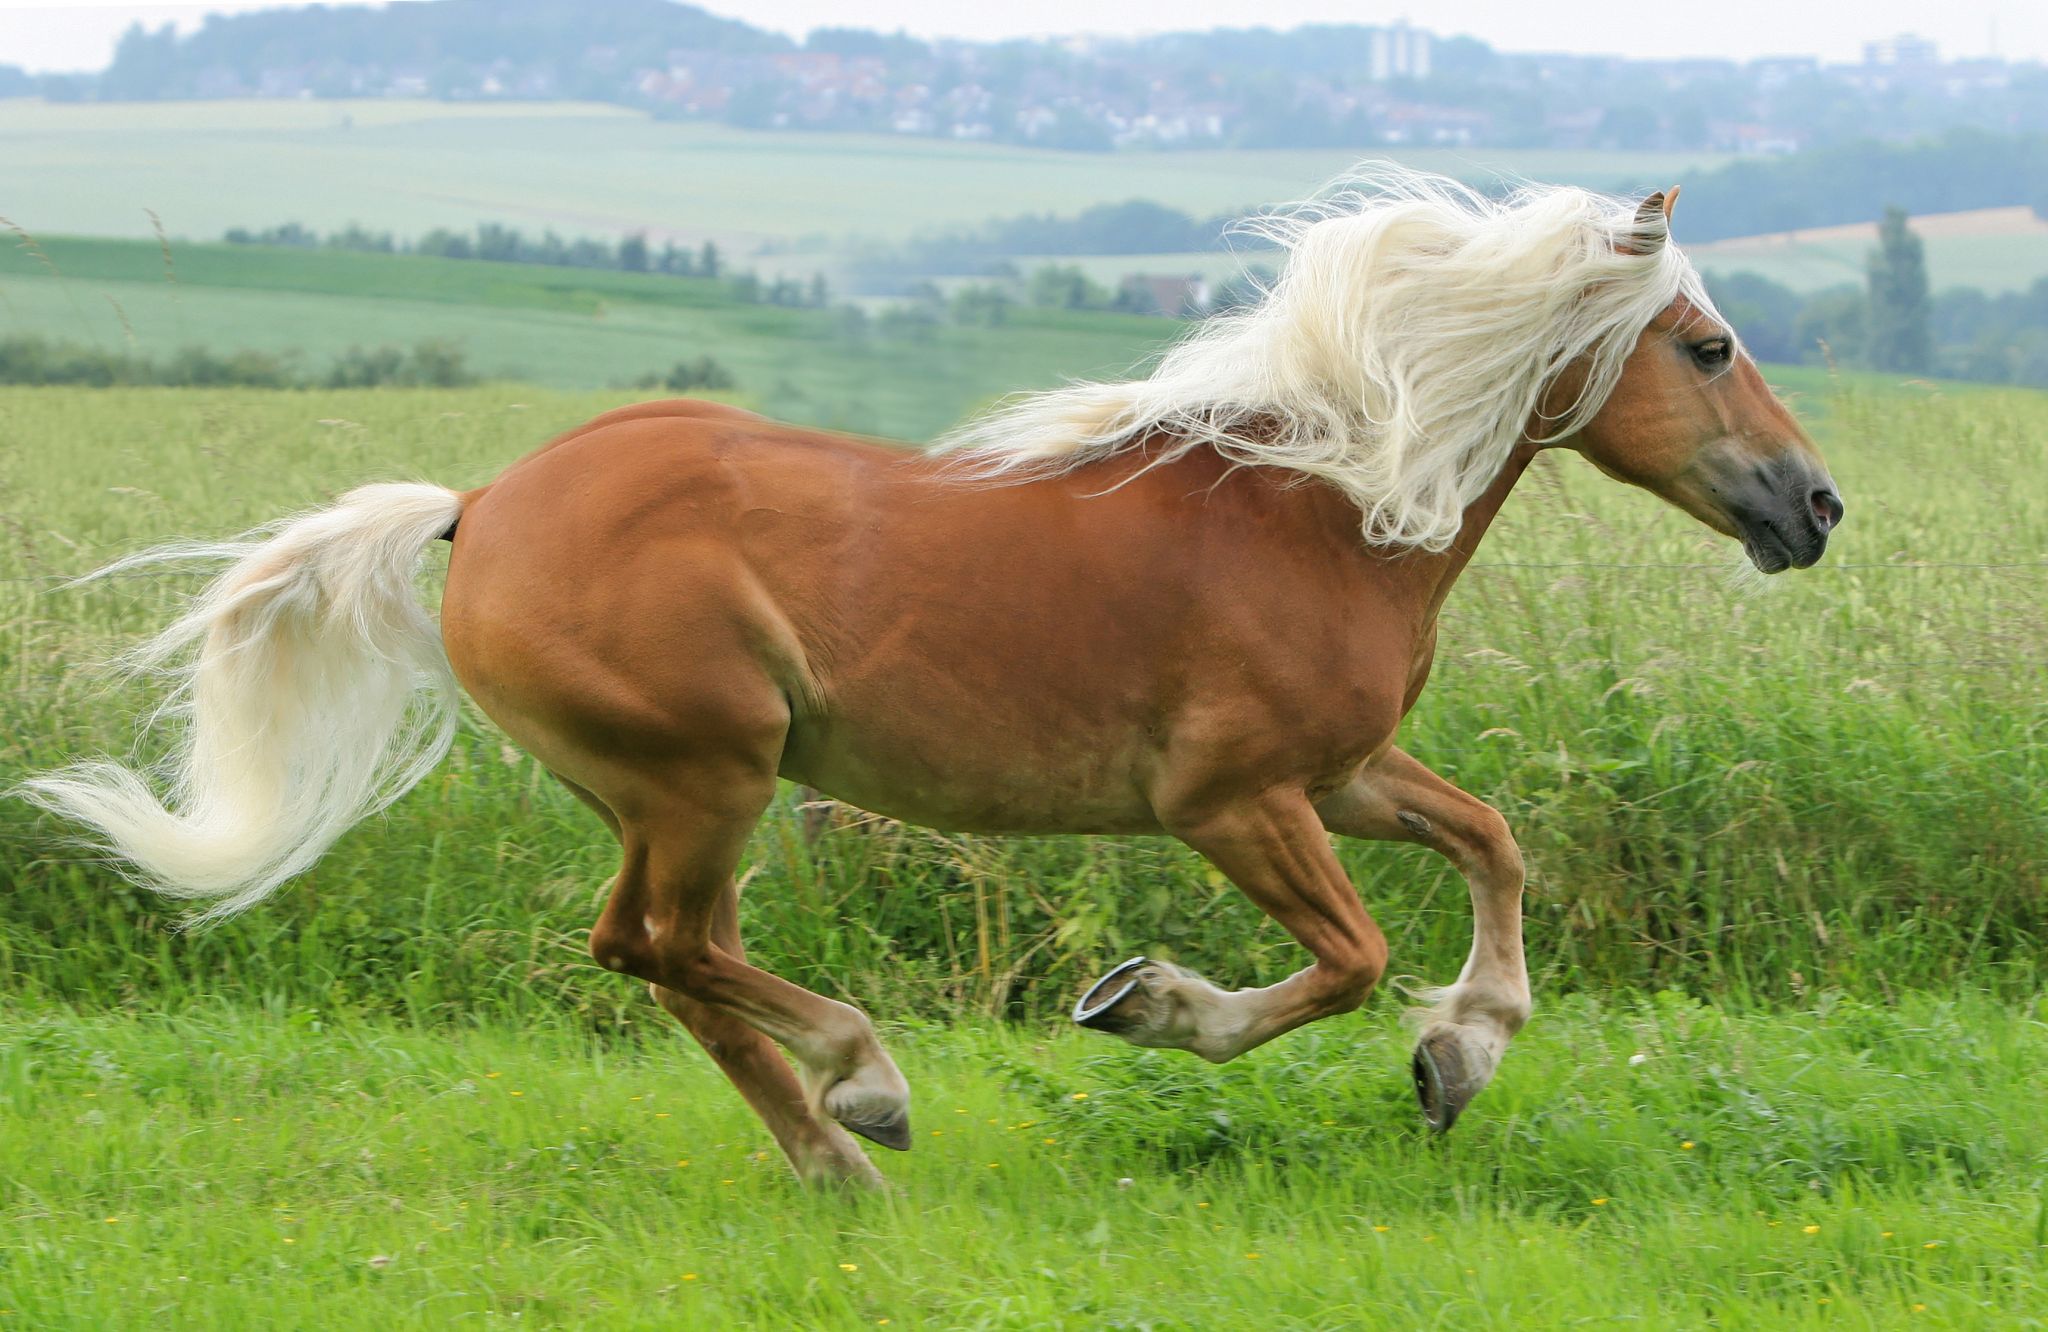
(1653, 223)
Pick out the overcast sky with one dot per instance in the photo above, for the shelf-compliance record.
(81, 35)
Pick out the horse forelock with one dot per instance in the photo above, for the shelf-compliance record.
(1401, 355)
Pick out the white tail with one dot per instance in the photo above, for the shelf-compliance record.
(319, 694)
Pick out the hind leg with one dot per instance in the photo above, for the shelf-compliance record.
(662, 925)
(819, 1151)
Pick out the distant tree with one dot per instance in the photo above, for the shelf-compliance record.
(145, 65)
(684, 376)
(588, 252)
(1838, 318)
(818, 294)
(986, 306)
(1064, 287)
(1901, 336)
(1765, 315)
(357, 237)
(446, 244)
(633, 253)
(709, 263)
(500, 243)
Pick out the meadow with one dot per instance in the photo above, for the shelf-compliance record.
(1786, 927)
(556, 327)
(1657, 1162)
(93, 168)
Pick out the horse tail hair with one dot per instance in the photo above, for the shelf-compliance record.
(311, 691)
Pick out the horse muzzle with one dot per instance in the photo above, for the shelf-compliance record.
(1784, 520)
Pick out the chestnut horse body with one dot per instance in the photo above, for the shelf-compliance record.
(678, 603)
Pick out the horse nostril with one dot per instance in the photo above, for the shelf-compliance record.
(1827, 508)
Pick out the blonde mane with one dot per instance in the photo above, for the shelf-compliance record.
(1401, 355)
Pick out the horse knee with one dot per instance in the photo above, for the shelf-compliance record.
(618, 947)
(642, 952)
(1492, 850)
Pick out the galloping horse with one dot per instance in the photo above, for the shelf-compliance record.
(1197, 603)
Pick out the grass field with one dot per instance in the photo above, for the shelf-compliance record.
(1786, 844)
(565, 328)
(1659, 1163)
(92, 169)
(1989, 263)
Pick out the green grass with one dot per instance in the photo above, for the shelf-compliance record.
(1663, 1163)
(205, 167)
(565, 328)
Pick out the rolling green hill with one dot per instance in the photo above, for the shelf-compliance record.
(93, 168)
(558, 327)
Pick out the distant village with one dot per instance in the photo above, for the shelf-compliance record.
(1393, 96)
(1350, 86)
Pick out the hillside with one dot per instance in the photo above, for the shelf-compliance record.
(562, 328)
(1993, 249)
(203, 167)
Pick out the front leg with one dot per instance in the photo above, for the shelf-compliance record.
(1467, 1025)
(1274, 848)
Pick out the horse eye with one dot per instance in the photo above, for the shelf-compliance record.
(1713, 354)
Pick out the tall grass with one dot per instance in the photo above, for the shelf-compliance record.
(1834, 782)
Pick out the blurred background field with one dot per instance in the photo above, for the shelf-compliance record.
(414, 165)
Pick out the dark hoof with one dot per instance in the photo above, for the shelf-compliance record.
(1442, 1082)
(1095, 1009)
(891, 1133)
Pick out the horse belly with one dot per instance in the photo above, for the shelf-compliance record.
(968, 777)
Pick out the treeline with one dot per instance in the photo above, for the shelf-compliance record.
(1135, 226)
(34, 360)
(1893, 322)
(496, 243)
(1961, 170)
(1999, 339)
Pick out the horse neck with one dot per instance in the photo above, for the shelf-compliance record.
(1432, 574)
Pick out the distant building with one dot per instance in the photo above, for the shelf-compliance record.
(1904, 51)
(1176, 297)
(1774, 72)
(1400, 52)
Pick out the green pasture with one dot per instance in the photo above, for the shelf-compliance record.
(559, 327)
(92, 169)
(1658, 1163)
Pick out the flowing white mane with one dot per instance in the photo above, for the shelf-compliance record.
(1400, 356)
